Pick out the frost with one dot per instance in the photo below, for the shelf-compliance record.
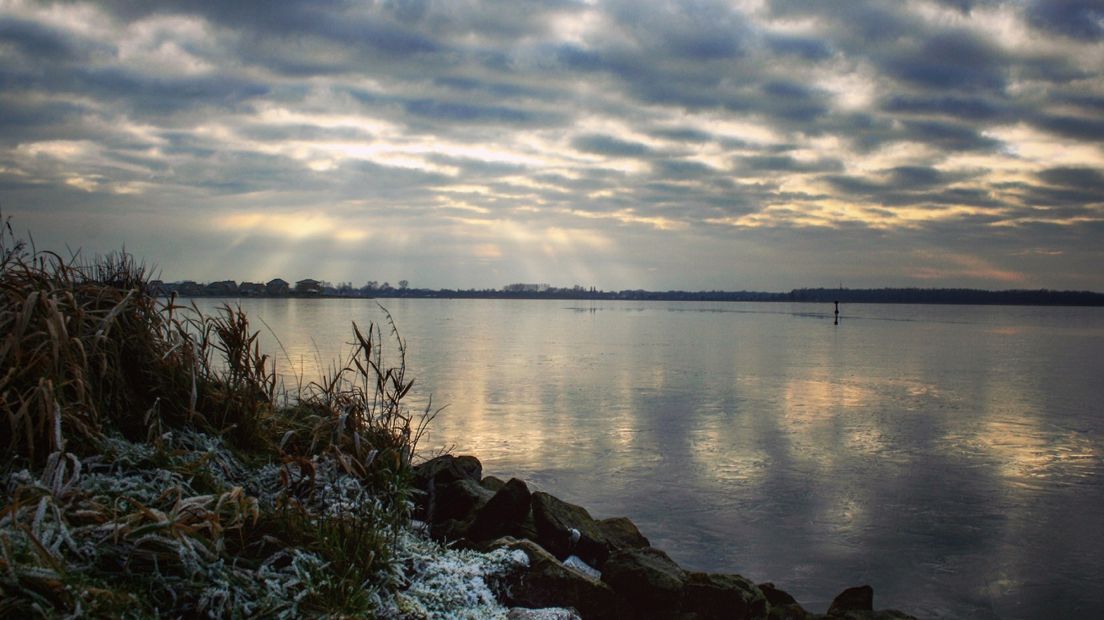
(168, 520)
(574, 561)
(451, 583)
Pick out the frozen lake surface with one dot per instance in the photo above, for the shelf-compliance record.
(950, 456)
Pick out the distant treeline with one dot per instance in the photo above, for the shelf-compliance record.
(313, 288)
(948, 296)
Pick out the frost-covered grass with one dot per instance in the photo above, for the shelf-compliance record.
(453, 583)
(164, 548)
(151, 467)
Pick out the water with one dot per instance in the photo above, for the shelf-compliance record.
(950, 456)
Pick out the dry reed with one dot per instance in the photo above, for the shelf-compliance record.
(150, 470)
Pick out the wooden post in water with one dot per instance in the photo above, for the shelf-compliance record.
(837, 313)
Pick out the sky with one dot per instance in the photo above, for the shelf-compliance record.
(697, 145)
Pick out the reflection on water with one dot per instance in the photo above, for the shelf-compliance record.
(949, 456)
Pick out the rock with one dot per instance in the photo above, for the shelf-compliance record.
(492, 484)
(528, 528)
(450, 530)
(860, 598)
(621, 533)
(650, 580)
(722, 596)
(782, 605)
(503, 515)
(459, 500)
(547, 583)
(565, 529)
(558, 521)
(775, 596)
(447, 469)
(431, 476)
(577, 563)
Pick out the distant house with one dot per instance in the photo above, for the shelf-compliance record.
(188, 288)
(277, 286)
(525, 288)
(251, 289)
(222, 288)
(308, 287)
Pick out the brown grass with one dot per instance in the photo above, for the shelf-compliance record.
(150, 469)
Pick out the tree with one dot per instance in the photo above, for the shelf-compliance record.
(403, 284)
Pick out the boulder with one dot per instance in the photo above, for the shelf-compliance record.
(858, 604)
(493, 484)
(650, 580)
(450, 531)
(547, 582)
(782, 605)
(458, 500)
(503, 514)
(430, 477)
(775, 596)
(621, 533)
(722, 596)
(566, 529)
(447, 469)
(860, 598)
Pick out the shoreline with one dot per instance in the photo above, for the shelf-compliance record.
(601, 568)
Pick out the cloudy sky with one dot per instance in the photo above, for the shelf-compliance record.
(620, 144)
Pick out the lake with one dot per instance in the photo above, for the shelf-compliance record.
(949, 456)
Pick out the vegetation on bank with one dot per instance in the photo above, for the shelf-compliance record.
(153, 466)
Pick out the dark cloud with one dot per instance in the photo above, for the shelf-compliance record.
(786, 163)
(156, 95)
(925, 186)
(684, 135)
(24, 120)
(1074, 127)
(948, 135)
(608, 145)
(701, 31)
(494, 89)
(40, 42)
(792, 101)
(950, 60)
(451, 111)
(1074, 177)
(1081, 19)
(965, 108)
(680, 169)
(853, 25)
(803, 47)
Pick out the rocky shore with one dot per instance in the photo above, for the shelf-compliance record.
(599, 568)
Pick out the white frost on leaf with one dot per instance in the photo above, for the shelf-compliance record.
(455, 584)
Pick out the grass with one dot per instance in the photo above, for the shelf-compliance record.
(153, 467)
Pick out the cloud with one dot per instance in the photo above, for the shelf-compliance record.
(609, 146)
(949, 60)
(577, 129)
(1081, 19)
